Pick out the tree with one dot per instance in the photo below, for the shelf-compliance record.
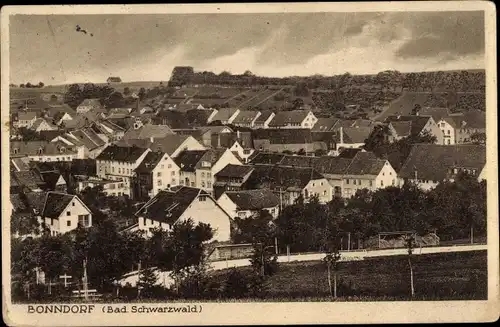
(28, 134)
(21, 85)
(410, 244)
(126, 91)
(301, 152)
(319, 152)
(29, 85)
(41, 84)
(383, 79)
(147, 282)
(263, 263)
(416, 109)
(301, 90)
(248, 73)
(297, 104)
(142, 93)
(478, 138)
(115, 100)
(331, 259)
(259, 228)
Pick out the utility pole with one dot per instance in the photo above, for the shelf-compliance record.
(139, 279)
(85, 280)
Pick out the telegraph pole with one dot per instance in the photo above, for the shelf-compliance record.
(85, 280)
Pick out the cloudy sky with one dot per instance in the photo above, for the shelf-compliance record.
(147, 47)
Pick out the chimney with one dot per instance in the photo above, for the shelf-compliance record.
(341, 135)
(238, 134)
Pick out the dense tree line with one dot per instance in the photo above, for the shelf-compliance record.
(32, 86)
(422, 81)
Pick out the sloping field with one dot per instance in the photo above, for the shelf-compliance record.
(259, 98)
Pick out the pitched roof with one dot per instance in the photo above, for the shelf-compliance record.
(224, 114)
(148, 131)
(436, 113)
(402, 128)
(121, 153)
(417, 122)
(349, 153)
(359, 166)
(40, 121)
(21, 164)
(356, 134)
(91, 102)
(150, 161)
(35, 200)
(51, 178)
(434, 161)
(168, 206)
(187, 160)
(174, 119)
(284, 136)
(169, 143)
(87, 137)
(284, 118)
(276, 177)
(471, 119)
(29, 178)
(234, 171)
(55, 203)
(214, 129)
(32, 147)
(266, 158)
(254, 199)
(26, 115)
(226, 140)
(325, 124)
(264, 115)
(245, 117)
(53, 110)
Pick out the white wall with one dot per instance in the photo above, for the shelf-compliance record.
(169, 174)
(69, 214)
(319, 187)
(386, 177)
(189, 144)
(209, 212)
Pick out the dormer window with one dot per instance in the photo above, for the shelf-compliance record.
(206, 164)
(16, 150)
(40, 151)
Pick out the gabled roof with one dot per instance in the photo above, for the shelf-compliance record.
(28, 178)
(224, 114)
(55, 203)
(402, 128)
(226, 140)
(20, 164)
(91, 102)
(264, 115)
(254, 199)
(148, 131)
(87, 137)
(237, 171)
(359, 166)
(284, 136)
(284, 118)
(214, 129)
(349, 153)
(417, 122)
(436, 113)
(169, 143)
(433, 161)
(356, 134)
(121, 153)
(32, 147)
(188, 160)
(245, 117)
(53, 110)
(471, 119)
(51, 178)
(168, 206)
(150, 162)
(325, 124)
(26, 115)
(280, 177)
(266, 158)
(40, 121)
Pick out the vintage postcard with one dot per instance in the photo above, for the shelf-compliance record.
(223, 164)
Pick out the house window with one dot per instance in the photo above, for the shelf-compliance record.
(324, 192)
(159, 182)
(202, 174)
(158, 174)
(359, 181)
(449, 141)
(112, 169)
(347, 181)
(381, 183)
(393, 182)
(169, 166)
(205, 164)
(173, 173)
(68, 223)
(84, 220)
(202, 198)
(16, 151)
(354, 182)
(371, 183)
(209, 184)
(119, 171)
(192, 184)
(68, 213)
(202, 184)
(448, 132)
(180, 181)
(73, 204)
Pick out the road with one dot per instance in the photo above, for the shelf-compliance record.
(164, 278)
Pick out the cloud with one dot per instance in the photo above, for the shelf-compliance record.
(148, 46)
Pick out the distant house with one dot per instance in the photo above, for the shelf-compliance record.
(112, 131)
(246, 118)
(239, 143)
(404, 126)
(158, 171)
(43, 151)
(63, 213)
(118, 163)
(172, 144)
(367, 172)
(263, 120)
(293, 119)
(180, 204)
(146, 132)
(290, 182)
(294, 140)
(198, 168)
(249, 203)
(59, 114)
(86, 140)
(430, 164)
(226, 115)
(461, 128)
(89, 105)
(231, 178)
(41, 124)
(326, 124)
(112, 80)
(28, 180)
(352, 137)
(25, 119)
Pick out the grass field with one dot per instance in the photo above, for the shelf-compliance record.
(461, 275)
(404, 104)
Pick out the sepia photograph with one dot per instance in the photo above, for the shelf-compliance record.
(161, 159)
